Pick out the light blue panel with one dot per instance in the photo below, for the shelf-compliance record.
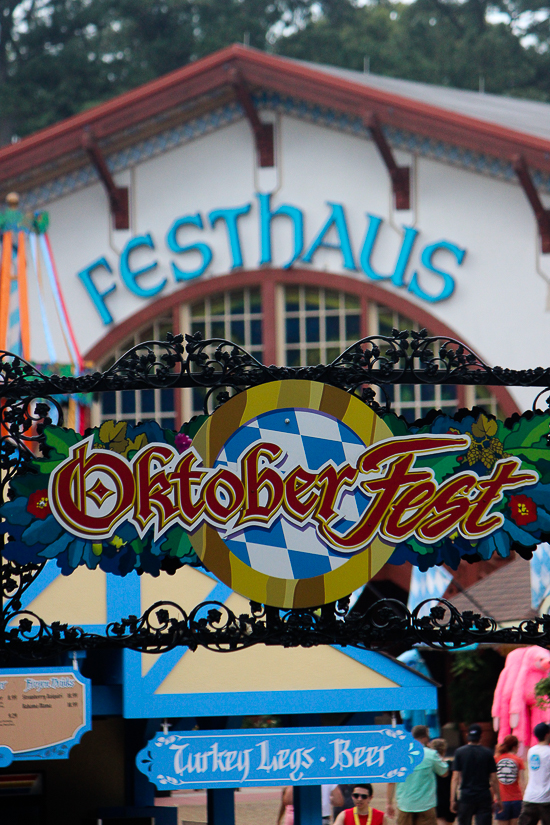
(123, 597)
(281, 756)
(278, 702)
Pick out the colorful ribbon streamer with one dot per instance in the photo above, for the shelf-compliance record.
(60, 303)
(5, 282)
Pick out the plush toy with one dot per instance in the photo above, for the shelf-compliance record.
(524, 712)
(410, 718)
(503, 692)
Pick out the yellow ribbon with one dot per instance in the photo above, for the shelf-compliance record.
(356, 816)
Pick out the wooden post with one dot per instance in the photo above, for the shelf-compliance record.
(220, 806)
(307, 805)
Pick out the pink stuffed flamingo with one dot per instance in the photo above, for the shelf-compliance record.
(503, 692)
(524, 712)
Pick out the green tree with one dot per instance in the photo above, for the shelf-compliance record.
(58, 57)
(447, 42)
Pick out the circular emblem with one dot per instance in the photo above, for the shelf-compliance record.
(534, 762)
(507, 771)
(294, 445)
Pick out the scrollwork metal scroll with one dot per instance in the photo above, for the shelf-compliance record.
(386, 625)
(404, 357)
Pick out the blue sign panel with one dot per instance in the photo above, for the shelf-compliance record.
(43, 713)
(297, 756)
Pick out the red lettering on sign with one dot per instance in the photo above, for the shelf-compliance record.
(93, 491)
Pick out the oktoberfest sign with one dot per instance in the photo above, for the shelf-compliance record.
(293, 493)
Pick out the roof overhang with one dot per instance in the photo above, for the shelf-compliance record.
(207, 83)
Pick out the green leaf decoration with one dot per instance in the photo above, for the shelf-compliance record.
(443, 466)
(192, 427)
(59, 440)
(177, 544)
(528, 432)
(398, 426)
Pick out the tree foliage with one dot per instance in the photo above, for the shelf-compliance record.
(58, 57)
(459, 43)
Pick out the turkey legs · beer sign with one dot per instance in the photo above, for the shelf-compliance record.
(297, 756)
(293, 493)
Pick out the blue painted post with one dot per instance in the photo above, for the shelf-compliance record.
(220, 806)
(307, 805)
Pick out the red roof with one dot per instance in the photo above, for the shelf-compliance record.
(287, 77)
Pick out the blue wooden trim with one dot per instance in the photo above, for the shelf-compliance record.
(49, 574)
(138, 706)
(166, 662)
(123, 596)
(107, 700)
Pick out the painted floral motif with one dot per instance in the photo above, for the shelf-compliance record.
(36, 534)
(523, 509)
(112, 436)
(39, 505)
(526, 515)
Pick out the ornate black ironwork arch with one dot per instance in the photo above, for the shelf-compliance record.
(28, 404)
(189, 361)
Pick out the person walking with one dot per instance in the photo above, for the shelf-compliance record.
(536, 799)
(443, 786)
(510, 779)
(326, 807)
(340, 798)
(475, 776)
(361, 813)
(286, 810)
(416, 796)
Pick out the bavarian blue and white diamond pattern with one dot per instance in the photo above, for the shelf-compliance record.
(310, 439)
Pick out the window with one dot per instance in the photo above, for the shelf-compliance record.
(235, 316)
(412, 401)
(483, 397)
(134, 406)
(318, 324)
(315, 325)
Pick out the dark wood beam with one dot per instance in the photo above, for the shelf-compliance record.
(542, 215)
(400, 175)
(118, 195)
(263, 132)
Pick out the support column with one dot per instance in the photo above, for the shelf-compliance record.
(220, 806)
(307, 805)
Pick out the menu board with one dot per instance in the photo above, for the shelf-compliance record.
(41, 709)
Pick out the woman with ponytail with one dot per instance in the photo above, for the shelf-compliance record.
(510, 778)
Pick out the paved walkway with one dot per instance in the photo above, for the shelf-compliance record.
(253, 806)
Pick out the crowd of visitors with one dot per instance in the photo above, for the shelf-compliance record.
(474, 784)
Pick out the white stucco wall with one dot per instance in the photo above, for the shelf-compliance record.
(499, 297)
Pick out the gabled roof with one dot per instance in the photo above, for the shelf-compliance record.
(504, 595)
(527, 116)
(260, 679)
(498, 127)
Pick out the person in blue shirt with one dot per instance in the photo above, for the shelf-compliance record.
(416, 796)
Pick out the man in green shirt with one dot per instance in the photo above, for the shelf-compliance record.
(416, 796)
